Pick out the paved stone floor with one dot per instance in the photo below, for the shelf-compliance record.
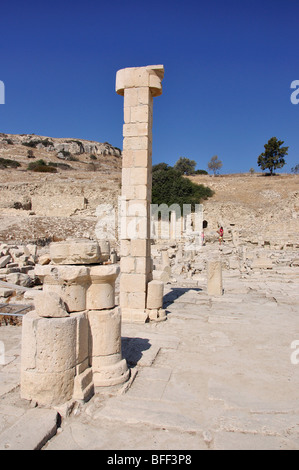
(216, 375)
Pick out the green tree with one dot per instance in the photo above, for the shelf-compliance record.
(170, 187)
(273, 156)
(215, 164)
(185, 166)
(295, 169)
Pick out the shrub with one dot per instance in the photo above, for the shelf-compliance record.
(201, 172)
(185, 166)
(62, 166)
(40, 166)
(34, 143)
(6, 163)
(170, 187)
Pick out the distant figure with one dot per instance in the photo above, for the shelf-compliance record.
(220, 231)
(203, 238)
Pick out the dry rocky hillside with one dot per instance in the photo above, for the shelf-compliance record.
(37, 207)
(261, 210)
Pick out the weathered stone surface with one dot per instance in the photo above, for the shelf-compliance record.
(101, 292)
(105, 342)
(69, 282)
(4, 260)
(155, 295)
(215, 285)
(43, 426)
(50, 305)
(75, 252)
(48, 359)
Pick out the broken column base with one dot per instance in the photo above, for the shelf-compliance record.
(111, 374)
(157, 314)
(54, 366)
(108, 366)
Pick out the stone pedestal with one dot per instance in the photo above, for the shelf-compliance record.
(101, 291)
(51, 358)
(69, 282)
(105, 348)
(138, 86)
(215, 284)
(66, 349)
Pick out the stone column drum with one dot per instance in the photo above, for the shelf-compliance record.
(105, 328)
(67, 349)
(138, 86)
(54, 361)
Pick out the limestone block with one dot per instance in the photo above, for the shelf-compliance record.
(69, 282)
(140, 247)
(105, 332)
(50, 305)
(137, 300)
(82, 340)
(215, 286)
(132, 77)
(83, 385)
(4, 260)
(48, 360)
(105, 347)
(133, 282)
(70, 252)
(161, 275)
(136, 129)
(134, 315)
(47, 389)
(101, 292)
(4, 292)
(155, 292)
(140, 114)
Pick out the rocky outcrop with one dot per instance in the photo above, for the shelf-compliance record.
(63, 146)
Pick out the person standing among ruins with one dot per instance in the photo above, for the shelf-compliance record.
(221, 232)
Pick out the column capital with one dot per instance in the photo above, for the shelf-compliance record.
(150, 76)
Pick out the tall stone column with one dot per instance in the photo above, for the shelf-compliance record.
(138, 86)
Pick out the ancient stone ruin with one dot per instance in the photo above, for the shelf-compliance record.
(71, 342)
(138, 86)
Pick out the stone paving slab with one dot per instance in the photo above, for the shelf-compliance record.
(31, 431)
(216, 375)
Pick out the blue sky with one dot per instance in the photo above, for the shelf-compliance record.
(228, 70)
